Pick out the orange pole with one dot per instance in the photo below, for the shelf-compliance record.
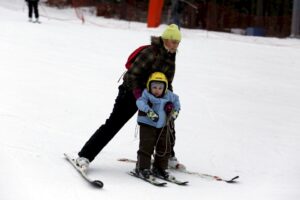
(154, 12)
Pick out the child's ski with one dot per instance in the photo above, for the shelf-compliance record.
(96, 183)
(172, 179)
(151, 180)
(201, 175)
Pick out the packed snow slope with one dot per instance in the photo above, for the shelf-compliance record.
(240, 112)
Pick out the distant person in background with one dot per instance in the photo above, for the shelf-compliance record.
(176, 10)
(33, 6)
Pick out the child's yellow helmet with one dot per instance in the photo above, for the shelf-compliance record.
(159, 77)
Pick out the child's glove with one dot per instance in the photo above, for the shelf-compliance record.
(169, 107)
(152, 115)
(174, 114)
(137, 93)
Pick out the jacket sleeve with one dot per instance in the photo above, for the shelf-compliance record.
(175, 101)
(142, 102)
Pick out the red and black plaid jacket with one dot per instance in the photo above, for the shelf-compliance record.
(154, 58)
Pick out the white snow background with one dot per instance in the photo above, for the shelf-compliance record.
(240, 114)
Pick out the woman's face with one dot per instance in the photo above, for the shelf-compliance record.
(171, 45)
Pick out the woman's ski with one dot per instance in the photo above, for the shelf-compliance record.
(95, 183)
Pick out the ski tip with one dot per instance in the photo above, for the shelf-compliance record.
(98, 184)
(233, 180)
(123, 159)
(66, 156)
(183, 183)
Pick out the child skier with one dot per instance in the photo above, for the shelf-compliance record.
(154, 121)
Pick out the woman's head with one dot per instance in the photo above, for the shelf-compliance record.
(171, 37)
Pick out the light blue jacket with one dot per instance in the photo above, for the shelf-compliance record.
(157, 105)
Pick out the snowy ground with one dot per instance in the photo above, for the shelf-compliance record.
(58, 81)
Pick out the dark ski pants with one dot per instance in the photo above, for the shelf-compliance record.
(124, 108)
(33, 6)
(153, 138)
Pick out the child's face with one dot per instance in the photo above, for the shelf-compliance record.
(157, 88)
